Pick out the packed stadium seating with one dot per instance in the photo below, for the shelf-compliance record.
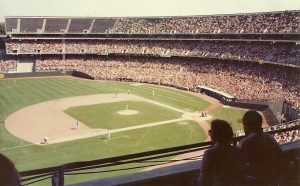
(8, 65)
(284, 53)
(245, 23)
(271, 22)
(242, 80)
(288, 136)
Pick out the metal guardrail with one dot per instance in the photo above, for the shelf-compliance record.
(59, 171)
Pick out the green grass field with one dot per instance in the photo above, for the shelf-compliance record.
(121, 143)
(106, 115)
(231, 115)
(18, 93)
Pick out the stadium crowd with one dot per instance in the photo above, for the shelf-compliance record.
(8, 65)
(280, 137)
(288, 136)
(241, 80)
(256, 51)
(268, 22)
(274, 22)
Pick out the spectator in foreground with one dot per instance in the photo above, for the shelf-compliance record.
(260, 151)
(222, 164)
(9, 176)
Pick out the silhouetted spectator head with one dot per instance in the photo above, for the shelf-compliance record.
(252, 122)
(9, 176)
(221, 132)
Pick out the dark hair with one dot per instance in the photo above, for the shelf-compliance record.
(253, 120)
(9, 176)
(221, 131)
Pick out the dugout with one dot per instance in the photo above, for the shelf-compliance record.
(222, 96)
(273, 109)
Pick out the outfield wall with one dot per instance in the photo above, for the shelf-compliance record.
(43, 74)
(80, 74)
(34, 74)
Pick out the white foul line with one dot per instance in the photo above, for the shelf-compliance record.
(15, 147)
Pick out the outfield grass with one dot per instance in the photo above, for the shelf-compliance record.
(231, 115)
(106, 115)
(169, 96)
(121, 143)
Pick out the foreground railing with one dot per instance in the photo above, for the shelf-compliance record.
(148, 159)
(66, 169)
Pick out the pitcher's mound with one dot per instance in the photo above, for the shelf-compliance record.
(128, 112)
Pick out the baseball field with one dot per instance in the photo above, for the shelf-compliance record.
(76, 116)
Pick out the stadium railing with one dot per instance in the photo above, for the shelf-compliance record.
(152, 158)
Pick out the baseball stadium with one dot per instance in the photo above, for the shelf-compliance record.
(129, 100)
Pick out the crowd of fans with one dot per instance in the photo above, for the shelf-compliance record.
(241, 80)
(281, 137)
(283, 126)
(8, 65)
(284, 53)
(270, 22)
(33, 47)
(288, 136)
(280, 22)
